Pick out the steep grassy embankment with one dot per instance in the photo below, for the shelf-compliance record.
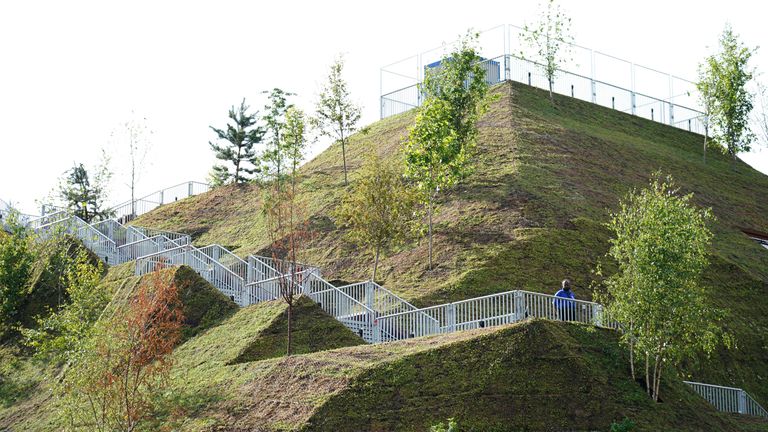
(545, 182)
(536, 376)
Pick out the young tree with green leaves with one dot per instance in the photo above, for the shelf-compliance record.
(294, 139)
(275, 154)
(660, 243)
(85, 198)
(723, 79)
(287, 227)
(336, 116)
(761, 114)
(440, 145)
(239, 139)
(379, 209)
(16, 260)
(550, 37)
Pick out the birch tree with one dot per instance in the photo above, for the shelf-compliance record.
(336, 116)
(660, 243)
(723, 80)
(133, 138)
(550, 38)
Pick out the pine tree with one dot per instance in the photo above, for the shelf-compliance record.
(239, 137)
(83, 197)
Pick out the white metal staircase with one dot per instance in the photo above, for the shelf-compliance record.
(368, 309)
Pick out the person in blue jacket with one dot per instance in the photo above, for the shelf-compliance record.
(563, 302)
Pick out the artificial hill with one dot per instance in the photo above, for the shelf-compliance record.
(532, 213)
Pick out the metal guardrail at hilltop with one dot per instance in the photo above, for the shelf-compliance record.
(621, 85)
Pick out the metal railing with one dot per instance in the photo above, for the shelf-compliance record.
(489, 311)
(368, 309)
(353, 314)
(217, 274)
(378, 298)
(729, 399)
(131, 251)
(178, 238)
(147, 203)
(282, 266)
(588, 75)
(568, 84)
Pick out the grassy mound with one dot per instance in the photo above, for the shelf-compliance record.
(204, 305)
(536, 376)
(46, 291)
(532, 213)
(312, 330)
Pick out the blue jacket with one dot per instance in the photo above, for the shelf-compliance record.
(564, 304)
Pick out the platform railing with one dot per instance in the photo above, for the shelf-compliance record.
(515, 68)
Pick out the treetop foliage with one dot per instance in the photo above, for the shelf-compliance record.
(239, 138)
(722, 85)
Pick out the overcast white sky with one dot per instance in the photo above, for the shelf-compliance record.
(71, 72)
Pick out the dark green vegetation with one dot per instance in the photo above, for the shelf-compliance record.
(24, 382)
(532, 213)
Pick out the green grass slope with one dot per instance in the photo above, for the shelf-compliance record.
(532, 213)
(535, 376)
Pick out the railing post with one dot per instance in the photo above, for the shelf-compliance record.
(376, 331)
(742, 402)
(598, 315)
(189, 189)
(250, 274)
(519, 306)
(451, 317)
(634, 103)
(369, 295)
(671, 114)
(161, 197)
(594, 91)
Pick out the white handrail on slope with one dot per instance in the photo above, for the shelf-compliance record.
(728, 399)
(355, 305)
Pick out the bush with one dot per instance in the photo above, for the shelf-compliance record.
(626, 425)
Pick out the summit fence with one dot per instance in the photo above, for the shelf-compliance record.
(587, 75)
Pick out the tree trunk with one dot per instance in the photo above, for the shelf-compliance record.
(376, 261)
(551, 96)
(290, 336)
(343, 154)
(648, 384)
(655, 375)
(658, 383)
(133, 185)
(429, 213)
(632, 358)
